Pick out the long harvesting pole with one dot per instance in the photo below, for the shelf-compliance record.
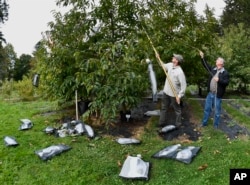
(162, 65)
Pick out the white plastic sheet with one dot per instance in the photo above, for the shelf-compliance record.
(26, 124)
(72, 128)
(124, 141)
(89, 131)
(167, 128)
(10, 141)
(152, 79)
(180, 153)
(49, 152)
(135, 168)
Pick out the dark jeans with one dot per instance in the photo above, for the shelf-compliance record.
(165, 104)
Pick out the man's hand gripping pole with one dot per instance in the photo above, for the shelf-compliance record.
(162, 65)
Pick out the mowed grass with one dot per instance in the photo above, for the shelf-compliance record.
(99, 160)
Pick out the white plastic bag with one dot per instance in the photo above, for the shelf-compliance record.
(135, 168)
(180, 153)
(49, 152)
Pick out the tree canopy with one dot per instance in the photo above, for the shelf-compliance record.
(22, 67)
(99, 48)
(3, 15)
(235, 46)
(235, 12)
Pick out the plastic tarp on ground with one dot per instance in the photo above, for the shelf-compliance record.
(26, 124)
(49, 152)
(72, 128)
(167, 128)
(124, 141)
(180, 153)
(152, 113)
(135, 168)
(10, 141)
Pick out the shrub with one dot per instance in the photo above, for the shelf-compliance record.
(25, 89)
(7, 89)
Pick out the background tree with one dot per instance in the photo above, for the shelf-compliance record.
(235, 12)
(3, 65)
(235, 46)
(3, 16)
(22, 67)
(235, 43)
(10, 60)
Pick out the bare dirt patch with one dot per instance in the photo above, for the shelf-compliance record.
(135, 126)
(132, 127)
(189, 130)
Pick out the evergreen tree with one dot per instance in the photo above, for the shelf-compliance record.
(22, 67)
(235, 12)
(3, 16)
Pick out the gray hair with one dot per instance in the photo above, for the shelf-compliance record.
(221, 59)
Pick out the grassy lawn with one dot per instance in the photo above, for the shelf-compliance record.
(239, 115)
(98, 161)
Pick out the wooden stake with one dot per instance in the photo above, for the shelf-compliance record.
(76, 105)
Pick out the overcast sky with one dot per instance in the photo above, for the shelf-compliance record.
(29, 18)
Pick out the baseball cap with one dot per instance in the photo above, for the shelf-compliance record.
(178, 57)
